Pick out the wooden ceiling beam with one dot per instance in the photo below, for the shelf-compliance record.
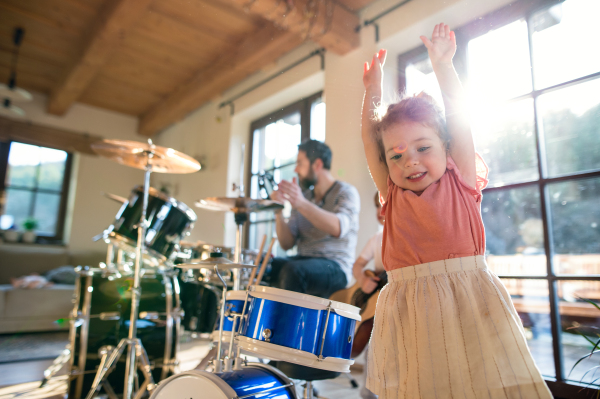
(324, 22)
(115, 18)
(253, 53)
(47, 136)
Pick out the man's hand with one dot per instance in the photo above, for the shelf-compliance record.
(291, 192)
(276, 195)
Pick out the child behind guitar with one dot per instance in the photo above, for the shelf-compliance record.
(445, 326)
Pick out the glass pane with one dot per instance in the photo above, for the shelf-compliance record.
(420, 77)
(317, 120)
(18, 205)
(570, 120)
(530, 298)
(514, 232)
(23, 160)
(505, 137)
(52, 168)
(561, 49)
(499, 65)
(46, 211)
(575, 216)
(579, 320)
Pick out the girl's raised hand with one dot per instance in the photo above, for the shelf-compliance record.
(442, 46)
(373, 74)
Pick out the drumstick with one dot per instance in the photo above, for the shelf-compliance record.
(265, 261)
(257, 260)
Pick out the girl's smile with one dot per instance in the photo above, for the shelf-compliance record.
(415, 155)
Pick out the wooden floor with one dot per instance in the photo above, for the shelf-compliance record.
(22, 379)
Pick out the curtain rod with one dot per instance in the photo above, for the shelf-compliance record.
(320, 52)
(378, 16)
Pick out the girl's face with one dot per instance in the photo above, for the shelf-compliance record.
(415, 155)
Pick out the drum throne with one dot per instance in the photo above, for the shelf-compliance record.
(304, 373)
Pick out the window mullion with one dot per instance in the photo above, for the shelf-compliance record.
(555, 322)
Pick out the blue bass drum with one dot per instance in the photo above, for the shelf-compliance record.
(254, 381)
(299, 328)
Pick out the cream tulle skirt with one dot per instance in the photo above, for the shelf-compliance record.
(448, 329)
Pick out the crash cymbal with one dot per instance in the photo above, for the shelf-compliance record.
(238, 204)
(146, 155)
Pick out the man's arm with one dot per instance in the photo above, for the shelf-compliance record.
(326, 221)
(284, 234)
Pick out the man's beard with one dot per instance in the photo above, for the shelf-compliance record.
(309, 181)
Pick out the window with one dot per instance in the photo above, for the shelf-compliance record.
(35, 185)
(532, 87)
(275, 140)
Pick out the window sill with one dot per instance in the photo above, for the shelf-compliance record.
(42, 244)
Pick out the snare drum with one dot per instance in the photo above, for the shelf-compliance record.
(299, 328)
(254, 381)
(169, 221)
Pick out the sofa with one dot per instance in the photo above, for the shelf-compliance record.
(32, 310)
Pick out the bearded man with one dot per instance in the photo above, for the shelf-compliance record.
(323, 224)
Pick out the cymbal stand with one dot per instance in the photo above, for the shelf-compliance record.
(218, 361)
(240, 219)
(135, 349)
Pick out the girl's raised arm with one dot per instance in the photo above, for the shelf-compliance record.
(441, 49)
(373, 80)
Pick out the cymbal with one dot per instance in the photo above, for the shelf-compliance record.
(142, 155)
(238, 204)
(203, 264)
(216, 259)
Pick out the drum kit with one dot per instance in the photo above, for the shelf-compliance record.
(153, 283)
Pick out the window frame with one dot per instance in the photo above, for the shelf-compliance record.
(525, 10)
(58, 238)
(303, 106)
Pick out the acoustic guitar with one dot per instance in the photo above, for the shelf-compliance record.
(366, 303)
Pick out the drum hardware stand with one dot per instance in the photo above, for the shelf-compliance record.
(135, 350)
(320, 358)
(218, 362)
(58, 364)
(240, 219)
(108, 362)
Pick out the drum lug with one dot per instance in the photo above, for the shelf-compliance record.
(178, 313)
(267, 334)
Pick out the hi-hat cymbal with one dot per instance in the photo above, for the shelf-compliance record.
(145, 155)
(238, 204)
(221, 263)
(216, 259)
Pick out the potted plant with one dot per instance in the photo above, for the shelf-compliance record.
(588, 332)
(30, 224)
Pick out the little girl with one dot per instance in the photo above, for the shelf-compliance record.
(445, 326)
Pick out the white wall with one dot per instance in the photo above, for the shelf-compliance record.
(90, 211)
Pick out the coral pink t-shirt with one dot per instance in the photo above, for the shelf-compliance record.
(443, 222)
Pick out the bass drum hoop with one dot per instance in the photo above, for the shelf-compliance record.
(227, 390)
